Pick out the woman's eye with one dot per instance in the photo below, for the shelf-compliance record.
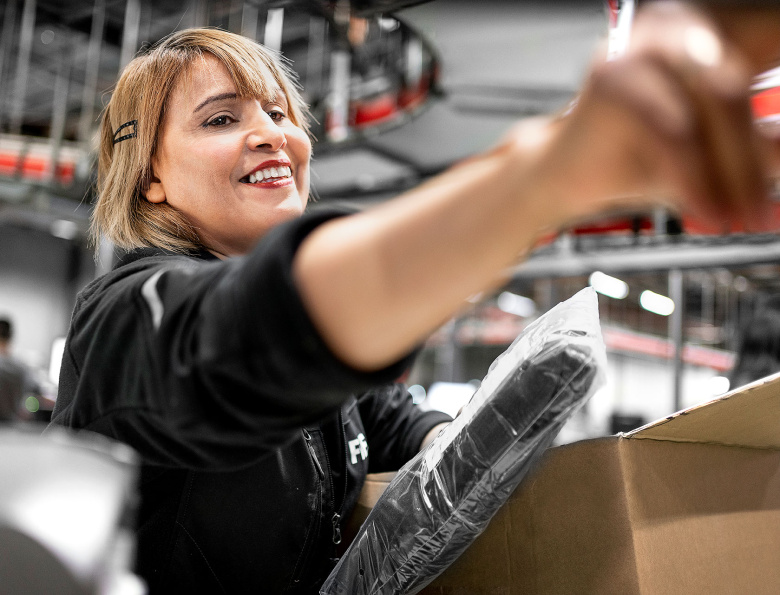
(277, 115)
(220, 121)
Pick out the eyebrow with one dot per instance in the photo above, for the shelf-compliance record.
(280, 95)
(213, 98)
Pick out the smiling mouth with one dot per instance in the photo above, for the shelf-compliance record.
(269, 174)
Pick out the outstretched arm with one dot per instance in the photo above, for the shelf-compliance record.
(671, 119)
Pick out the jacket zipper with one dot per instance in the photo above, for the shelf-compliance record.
(307, 438)
(336, 528)
(336, 518)
(311, 537)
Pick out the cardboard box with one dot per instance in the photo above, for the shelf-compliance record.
(689, 504)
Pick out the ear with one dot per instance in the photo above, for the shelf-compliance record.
(155, 193)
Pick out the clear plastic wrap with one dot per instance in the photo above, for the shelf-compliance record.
(441, 500)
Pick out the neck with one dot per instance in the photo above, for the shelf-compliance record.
(4, 348)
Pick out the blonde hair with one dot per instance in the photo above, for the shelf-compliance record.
(121, 212)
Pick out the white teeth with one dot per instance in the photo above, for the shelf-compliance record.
(271, 172)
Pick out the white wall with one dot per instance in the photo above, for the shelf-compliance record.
(39, 277)
(638, 385)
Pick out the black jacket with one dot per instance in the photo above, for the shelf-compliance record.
(254, 438)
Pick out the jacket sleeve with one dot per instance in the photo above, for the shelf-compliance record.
(395, 426)
(205, 365)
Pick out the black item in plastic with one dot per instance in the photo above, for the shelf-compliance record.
(444, 497)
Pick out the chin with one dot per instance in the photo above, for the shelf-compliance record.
(290, 208)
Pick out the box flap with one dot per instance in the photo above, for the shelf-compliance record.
(705, 518)
(566, 529)
(747, 417)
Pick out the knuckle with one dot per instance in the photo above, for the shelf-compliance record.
(600, 73)
(615, 74)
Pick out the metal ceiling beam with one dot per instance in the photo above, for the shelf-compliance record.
(677, 293)
(132, 26)
(22, 66)
(86, 120)
(59, 114)
(6, 44)
(676, 255)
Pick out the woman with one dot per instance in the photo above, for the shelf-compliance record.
(254, 447)
(247, 352)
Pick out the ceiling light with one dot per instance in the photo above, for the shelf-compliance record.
(388, 24)
(719, 385)
(62, 228)
(516, 304)
(741, 284)
(656, 303)
(609, 286)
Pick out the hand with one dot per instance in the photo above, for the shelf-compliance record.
(669, 121)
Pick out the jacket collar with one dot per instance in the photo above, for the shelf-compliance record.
(138, 253)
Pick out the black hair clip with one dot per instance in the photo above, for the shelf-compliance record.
(133, 134)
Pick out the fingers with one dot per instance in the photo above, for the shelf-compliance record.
(722, 142)
(714, 77)
(754, 28)
(677, 107)
(648, 129)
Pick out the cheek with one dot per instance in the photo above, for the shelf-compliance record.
(298, 143)
(302, 182)
(201, 172)
(209, 163)
(300, 151)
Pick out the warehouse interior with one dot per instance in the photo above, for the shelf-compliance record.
(400, 91)
(427, 85)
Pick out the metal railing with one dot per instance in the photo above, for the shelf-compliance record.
(359, 74)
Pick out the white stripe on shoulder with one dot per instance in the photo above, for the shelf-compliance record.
(149, 291)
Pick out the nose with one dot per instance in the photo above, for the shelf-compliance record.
(265, 134)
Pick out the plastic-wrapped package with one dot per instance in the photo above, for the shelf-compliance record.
(441, 500)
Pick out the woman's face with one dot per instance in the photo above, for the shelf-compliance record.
(234, 167)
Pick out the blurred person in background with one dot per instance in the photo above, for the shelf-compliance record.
(15, 379)
(247, 350)
(758, 354)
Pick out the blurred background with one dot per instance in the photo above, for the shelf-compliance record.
(400, 91)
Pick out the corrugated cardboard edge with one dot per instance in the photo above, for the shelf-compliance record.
(748, 417)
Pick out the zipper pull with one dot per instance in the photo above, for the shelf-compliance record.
(307, 438)
(336, 528)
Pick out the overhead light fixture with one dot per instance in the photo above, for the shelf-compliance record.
(656, 303)
(516, 304)
(609, 286)
(388, 23)
(62, 228)
(719, 385)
